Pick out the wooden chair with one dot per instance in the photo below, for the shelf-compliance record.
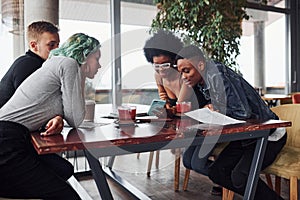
(287, 163)
(150, 160)
(176, 167)
(296, 97)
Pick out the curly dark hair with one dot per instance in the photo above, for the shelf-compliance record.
(162, 43)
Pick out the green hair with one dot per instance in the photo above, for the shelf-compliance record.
(78, 47)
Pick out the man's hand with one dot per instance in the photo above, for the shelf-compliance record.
(54, 126)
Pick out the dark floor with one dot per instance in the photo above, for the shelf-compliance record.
(160, 185)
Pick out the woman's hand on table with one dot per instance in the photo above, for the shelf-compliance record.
(54, 126)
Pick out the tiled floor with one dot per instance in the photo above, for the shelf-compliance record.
(160, 185)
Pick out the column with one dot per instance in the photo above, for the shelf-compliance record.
(35, 10)
(115, 9)
(259, 54)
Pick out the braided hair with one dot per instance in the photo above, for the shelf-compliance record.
(78, 47)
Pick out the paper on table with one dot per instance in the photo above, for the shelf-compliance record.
(147, 117)
(207, 116)
(88, 124)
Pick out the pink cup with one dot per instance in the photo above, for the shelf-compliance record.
(127, 114)
(182, 107)
(133, 112)
(89, 110)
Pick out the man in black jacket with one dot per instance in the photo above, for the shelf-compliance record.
(42, 38)
(230, 94)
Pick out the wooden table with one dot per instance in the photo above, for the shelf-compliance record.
(272, 99)
(111, 140)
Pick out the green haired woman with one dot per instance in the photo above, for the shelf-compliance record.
(54, 89)
(78, 47)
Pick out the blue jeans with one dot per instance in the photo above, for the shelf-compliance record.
(197, 160)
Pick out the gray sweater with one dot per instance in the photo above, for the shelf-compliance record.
(54, 89)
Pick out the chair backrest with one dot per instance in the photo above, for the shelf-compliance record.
(290, 112)
(296, 98)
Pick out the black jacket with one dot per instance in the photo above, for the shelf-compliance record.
(232, 95)
(21, 68)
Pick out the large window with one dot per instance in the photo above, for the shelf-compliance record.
(6, 50)
(135, 23)
(136, 73)
(264, 44)
(265, 56)
(266, 63)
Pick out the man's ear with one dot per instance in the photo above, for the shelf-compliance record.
(33, 46)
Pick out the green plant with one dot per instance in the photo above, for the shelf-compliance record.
(213, 24)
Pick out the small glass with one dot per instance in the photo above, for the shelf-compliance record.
(89, 110)
(127, 114)
(184, 106)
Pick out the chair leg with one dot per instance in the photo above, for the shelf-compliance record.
(293, 188)
(277, 185)
(269, 180)
(157, 159)
(227, 194)
(177, 169)
(150, 163)
(186, 179)
(138, 155)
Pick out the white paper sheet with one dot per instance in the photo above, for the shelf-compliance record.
(207, 116)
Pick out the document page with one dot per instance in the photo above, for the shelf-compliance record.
(207, 116)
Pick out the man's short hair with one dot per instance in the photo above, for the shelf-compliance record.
(36, 29)
(191, 51)
(162, 43)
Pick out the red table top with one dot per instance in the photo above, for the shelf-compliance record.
(102, 136)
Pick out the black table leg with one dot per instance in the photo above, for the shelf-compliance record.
(255, 168)
(99, 176)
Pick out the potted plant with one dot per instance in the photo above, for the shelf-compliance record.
(213, 24)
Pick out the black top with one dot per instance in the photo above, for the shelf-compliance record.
(22, 67)
(202, 100)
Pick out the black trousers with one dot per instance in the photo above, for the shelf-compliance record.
(231, 169)
(25, 174)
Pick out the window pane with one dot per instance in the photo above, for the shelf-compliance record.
(270, 30)
(275, 3)
(6, 40)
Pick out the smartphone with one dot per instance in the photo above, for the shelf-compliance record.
(156, 104)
